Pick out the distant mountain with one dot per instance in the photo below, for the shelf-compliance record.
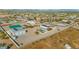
(39, 10)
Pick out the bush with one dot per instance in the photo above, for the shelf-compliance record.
(37, 32)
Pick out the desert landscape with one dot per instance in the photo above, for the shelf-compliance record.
(39, 29)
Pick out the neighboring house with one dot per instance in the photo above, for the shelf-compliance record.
(31, 22)
(16, 31)
(61, 24)
(5, 24)
(43, 28)
(76, 24)
(64, 20)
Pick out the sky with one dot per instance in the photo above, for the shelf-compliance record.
(39, 4)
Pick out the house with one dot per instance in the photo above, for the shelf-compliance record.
(31, 22)
(5, 24)
(16, 31)
(64, 20)
(62, 24)
(43, 28)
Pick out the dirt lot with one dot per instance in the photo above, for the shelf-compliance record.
(57, 41)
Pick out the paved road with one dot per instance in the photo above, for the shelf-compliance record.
(17, 45)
